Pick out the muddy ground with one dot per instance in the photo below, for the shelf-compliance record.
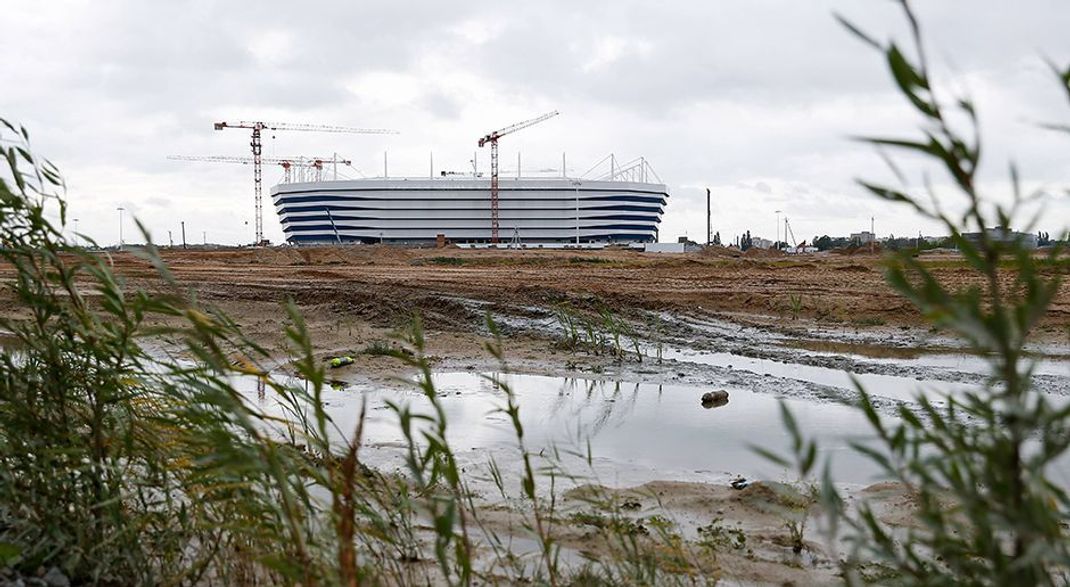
(757, 325)
(384, 284)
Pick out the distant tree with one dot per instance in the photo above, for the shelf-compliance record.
(746, 242)
(717, 238)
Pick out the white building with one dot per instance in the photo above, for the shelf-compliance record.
(863, 237)
(412, 211)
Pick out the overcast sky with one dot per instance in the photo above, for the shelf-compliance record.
(755, 99)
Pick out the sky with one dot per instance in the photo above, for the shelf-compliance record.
(760, 101)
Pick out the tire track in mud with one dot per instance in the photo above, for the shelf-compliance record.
(703, 337)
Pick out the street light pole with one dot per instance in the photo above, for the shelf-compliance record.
(709, 220)
(577, 185)
(76, 232)
(120, 209)
(777, 243)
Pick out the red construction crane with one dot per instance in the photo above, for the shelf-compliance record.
(256, 127)
(492, 138)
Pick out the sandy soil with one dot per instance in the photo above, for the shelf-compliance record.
(384, 284)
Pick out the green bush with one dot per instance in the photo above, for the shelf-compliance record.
(979, 468)
(121, 464)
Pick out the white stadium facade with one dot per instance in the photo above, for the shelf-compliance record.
(533, 211)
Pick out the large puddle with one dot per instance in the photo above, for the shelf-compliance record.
(639, 432)
(636, 432)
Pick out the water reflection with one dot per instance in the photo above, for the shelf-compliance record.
(636, 432)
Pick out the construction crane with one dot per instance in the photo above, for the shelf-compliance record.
(492, 138)
(257, 127)
(288, 164)
(787, 230)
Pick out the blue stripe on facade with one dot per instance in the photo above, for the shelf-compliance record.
(329, 228)
(564, 200)
(321, 208)
(330, 237)
(337, 207)
(505, 218)
(504, 190)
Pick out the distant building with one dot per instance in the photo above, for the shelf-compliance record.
(863, 237)
(1000, 234)
(762, 243)
(683, 246)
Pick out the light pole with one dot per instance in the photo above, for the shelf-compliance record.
(76, 232)
(776, 244)
(120, 209)
(577, 185)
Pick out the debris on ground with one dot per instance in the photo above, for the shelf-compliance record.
(342, 361)
(714, 399)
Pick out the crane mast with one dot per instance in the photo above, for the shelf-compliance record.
(787, 230)
(492, 138)
(257, 147)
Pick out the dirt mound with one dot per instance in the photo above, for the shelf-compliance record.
(865, 249)
(756, 253)
(719, 251)
(853, 268)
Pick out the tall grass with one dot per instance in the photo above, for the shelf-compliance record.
(979, 467)
(123, 463)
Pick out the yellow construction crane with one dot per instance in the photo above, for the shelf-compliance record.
(492, 138)
(257, 127)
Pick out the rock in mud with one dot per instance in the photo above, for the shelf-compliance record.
(714, 399)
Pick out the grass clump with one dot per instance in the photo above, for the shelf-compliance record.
(380, 348)
(447, 261)
(577, 260)
(606, 333)
(717, 536)
(869, 321)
